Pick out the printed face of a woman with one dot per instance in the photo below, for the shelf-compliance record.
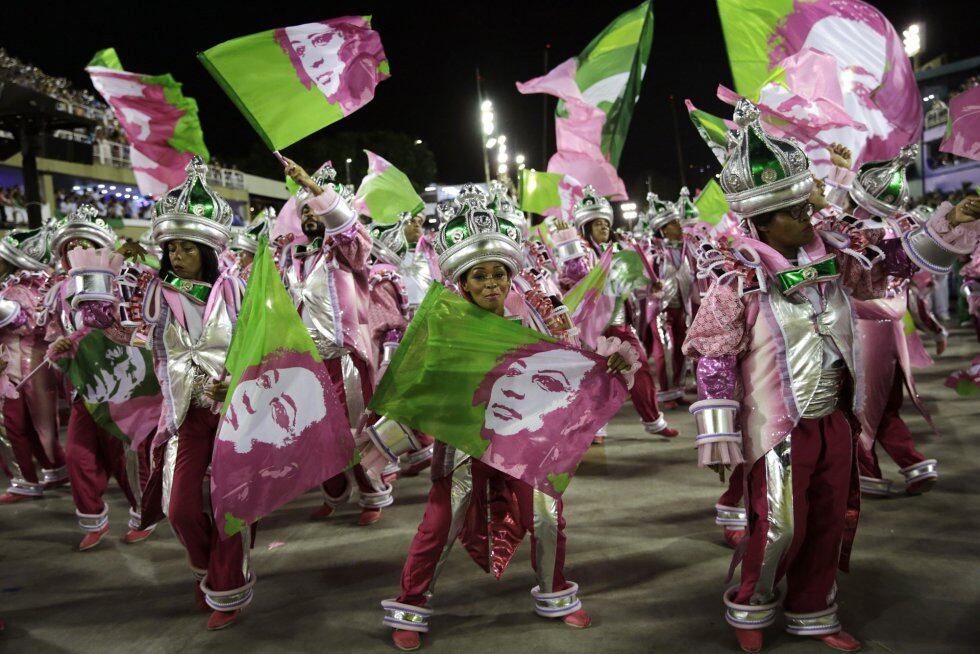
(532, 387)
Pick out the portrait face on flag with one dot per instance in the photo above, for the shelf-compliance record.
(117, 380)
(272, 407)
(534, 393)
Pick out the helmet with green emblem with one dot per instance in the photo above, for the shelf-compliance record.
(763, 173)
(27, 249)
(474, 234)
(193, 212)
(660, 212)
(388, 242)
(687, 210)
(881, 187)
(82, 223)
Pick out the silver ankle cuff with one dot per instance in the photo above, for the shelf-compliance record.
(748, 616)
(406, 616)
(819, 623)
(557, 604)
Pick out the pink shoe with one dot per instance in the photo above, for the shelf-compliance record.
(222, 619)
(670, 404)
(668, 433)
(14, 498)
(369, 517)
(92, 538)
(580, 619)
(406, 641)
(134, 536)
(733, 537)
(750, 640)
(842, 641)
(324, 511)
(387, 479)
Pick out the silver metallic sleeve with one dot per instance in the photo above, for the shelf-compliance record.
(715, 418)
(927, 252)
(836, 195)
(388, 353)
(568, 251)
(91, 285)
(9, 310)
(336, 214)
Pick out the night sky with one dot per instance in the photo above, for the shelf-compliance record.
(434, 50)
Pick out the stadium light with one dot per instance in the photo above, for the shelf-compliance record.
(912, 39)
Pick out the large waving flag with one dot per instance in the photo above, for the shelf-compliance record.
(117, 385)
(509, 396)
(385, 192)
(292, 81)
(550, 194)
(160, 123)
(284, 430)
(597, 92)
(610, 71)
(873, 83)
(963, 129)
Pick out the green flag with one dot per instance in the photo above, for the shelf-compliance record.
(386, 192)
(106, 58)
(749, 27)
(117, 385)
(711, 128)
(293, 81)
(509, 396)
(711, 203)
(610, 70)
(539, 191)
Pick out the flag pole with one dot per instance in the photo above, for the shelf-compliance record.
(23, 381)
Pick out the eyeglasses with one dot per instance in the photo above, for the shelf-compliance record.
(801, 212)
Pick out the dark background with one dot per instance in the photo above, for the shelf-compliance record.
(434, 50)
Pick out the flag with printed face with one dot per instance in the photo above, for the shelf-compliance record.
(292, 81)
(283, 429)
(826, 71)
(159, 121)
(116, 383)
(504, 394)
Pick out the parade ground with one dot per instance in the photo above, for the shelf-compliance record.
(642, 545)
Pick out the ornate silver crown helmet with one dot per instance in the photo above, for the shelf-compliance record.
(686, 208)
(193, 212)
(84, 223)
(388, 242)
(660, 212)
(247, 238)
(763, 173)
(474, 234)
(28, 249)
(504, 206)
(881, 187)
(591, 207)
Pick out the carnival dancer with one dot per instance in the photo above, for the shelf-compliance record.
(93, 454)
(878, 193)
(186, 315)
(328, 280)
(29, 414)
(394, 264)
(480, 253)
(244, 242)
(578, 251)
(778, 324)
(670, 307)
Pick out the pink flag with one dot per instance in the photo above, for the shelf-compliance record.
(579, 135)
(963, 131)
(160, 124)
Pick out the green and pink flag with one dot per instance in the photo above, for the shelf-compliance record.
(824, 71)
(292, 81)
(511, 397)
(550, 194)
(962, 136)
(283, 429)
(116, 383)
(159, 121)
(597, 92)
(712, 129)
(385, 192)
